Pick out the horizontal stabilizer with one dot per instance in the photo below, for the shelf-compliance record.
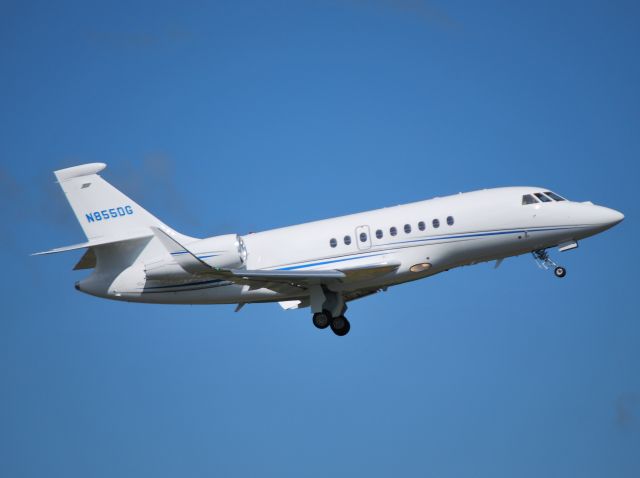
(96, 242)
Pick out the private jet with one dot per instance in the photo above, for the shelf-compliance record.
(323, 264)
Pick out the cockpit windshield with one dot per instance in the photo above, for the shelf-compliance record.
(542, 197)
(554, 196)
(535, 198)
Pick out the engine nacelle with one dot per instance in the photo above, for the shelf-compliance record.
(224, 252)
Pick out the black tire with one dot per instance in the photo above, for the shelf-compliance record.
(340, 326)
(321, 320)
(560, 271)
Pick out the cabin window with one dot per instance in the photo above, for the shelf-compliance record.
(450, 220)
(363, 237)
(379, 233)
(542, 197)
(347, 240)
(421, 225)
(528, 199)
(554, 196)
(407, 228)
(436, 223)
(333, 242)
(393, 231)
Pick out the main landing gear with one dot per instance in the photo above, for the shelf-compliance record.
(545, 262)
(339, 325)
(329, 308)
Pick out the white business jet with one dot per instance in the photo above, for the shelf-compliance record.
(322, 264)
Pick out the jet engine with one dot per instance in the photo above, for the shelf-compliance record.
(221, 252)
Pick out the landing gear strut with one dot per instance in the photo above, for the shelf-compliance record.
(545, 262)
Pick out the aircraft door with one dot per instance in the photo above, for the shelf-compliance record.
(363, 237)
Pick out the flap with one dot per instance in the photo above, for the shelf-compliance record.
(288, 276)
(369, 272)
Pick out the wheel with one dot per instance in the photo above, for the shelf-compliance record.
(340, 326)
(321, 320)
(560, 271)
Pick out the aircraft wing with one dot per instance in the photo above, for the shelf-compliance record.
(370, 271)
(305, 279)
(258, 279)
(270, 279)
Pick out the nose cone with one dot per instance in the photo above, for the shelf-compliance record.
(609, 217)
(614, 217)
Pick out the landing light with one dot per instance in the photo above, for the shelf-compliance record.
(420, 267)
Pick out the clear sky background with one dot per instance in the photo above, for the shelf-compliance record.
(224, 117)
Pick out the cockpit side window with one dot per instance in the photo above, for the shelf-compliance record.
(528, 199)
(542, 197)
(554, 196)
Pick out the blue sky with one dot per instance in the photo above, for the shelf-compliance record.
(225, 117)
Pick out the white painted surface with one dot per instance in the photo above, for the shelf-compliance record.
(488, 225)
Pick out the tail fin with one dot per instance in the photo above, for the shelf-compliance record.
(102, 211)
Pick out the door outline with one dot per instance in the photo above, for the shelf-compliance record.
(363, 245)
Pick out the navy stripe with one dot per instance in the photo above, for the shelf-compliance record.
(199, 257)
(185, 285)
(184, 289)
(290, 268)
(481, 234)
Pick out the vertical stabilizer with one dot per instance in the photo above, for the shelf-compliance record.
(102, 210)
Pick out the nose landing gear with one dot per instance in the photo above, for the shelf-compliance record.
(560, 271)
(545, 262)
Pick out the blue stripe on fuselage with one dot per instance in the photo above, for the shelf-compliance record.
(425, 239)
(290, 268)
(360, 255)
